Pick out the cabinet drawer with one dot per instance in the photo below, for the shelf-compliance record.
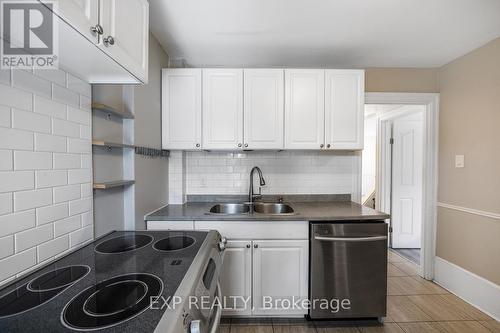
(257, 229)
(169, 225)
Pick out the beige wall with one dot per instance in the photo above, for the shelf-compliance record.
(470, 125)
(418, 80)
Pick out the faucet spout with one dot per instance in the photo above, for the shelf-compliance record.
(262, 182)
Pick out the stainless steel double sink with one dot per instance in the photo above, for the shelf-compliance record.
(264, 208)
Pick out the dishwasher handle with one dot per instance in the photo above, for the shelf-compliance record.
(350, 239)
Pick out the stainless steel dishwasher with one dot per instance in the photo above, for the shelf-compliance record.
(348, 270)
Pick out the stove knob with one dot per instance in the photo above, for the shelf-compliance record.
(195, 326)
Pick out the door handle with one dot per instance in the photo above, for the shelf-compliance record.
(350, 239)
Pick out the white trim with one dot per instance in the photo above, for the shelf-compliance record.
(470, 210)
(429, 198)
(479, 292)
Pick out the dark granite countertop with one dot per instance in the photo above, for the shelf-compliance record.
(307, 208)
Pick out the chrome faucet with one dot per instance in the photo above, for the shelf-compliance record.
(261, 181)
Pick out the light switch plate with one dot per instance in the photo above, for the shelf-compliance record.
(459, 161)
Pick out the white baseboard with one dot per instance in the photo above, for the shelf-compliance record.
(479, 292)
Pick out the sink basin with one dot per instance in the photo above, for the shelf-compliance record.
(273, 208)
(230, 209)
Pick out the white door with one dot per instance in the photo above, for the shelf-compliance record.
(263, 108)
(125, 36)
(80, 14)
(304, 108)
(181, 108)
(407, 168)
(280, 270)
(344, 108)
(222, 109)
(236, 278)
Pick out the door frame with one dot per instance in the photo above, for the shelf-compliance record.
(430, 168)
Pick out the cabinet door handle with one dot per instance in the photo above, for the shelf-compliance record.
(246, 145)
(248, 246)
(109, 41)
(239, 145)
(197, 145)
(255, 246)
(328, 145)
(321, 145)
(97, 29)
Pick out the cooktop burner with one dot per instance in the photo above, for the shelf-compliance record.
(111, 302)
(174, 243)
(40, 290)
(124, 243)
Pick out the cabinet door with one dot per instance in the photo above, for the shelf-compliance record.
(304, 108)
(80, 14)
(236, 278)
(222, 109)
(181, 108)
(263, 108)
(344, 109)
(127, 23)
(280, 270)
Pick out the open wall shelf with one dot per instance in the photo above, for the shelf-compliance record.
(113, 184)
(111, 111)
(107, 144)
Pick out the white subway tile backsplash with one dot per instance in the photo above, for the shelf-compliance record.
(80, 206)
(79, 116)
(27, 81)
(40, 151)
(15, 98)
(50, 143)
(33, 237)
(79, 146)
(54, 75)
(50, 108)
(16, 181)
(32, 199)
(5, 119)
(6, 163)
(5, 203)
(15, 139)
(77, 85)
(79, 176)
(67, 225)
(81, 235)
(31, 121)
(65, 96)
(51, 178)
(17, 222)
(16, 263)
(48, 214)
(6, 246)
(65, 128)
(66, 193)
(53, 247)
(29, 160)
(67, 161)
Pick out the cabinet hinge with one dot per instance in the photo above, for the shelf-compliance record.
(391, 141)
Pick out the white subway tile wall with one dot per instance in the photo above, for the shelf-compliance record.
(285, 172)
(45, 168)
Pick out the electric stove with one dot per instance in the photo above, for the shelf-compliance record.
(109, 285)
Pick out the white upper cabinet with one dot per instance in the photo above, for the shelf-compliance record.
(181, 108)
(263, 108)
(304, 108)
(125, 37)
(222, 109)
(83, 15)
(344, 108)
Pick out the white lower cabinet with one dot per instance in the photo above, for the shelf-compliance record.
(236, 278)
(279, 277)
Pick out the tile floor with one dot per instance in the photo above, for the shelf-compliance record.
(414, 305)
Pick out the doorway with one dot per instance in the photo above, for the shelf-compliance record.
(399, 168)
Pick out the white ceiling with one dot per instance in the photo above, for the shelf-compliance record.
(323, 33)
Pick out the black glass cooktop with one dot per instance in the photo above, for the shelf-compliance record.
(103, 287)
(112, 301)
(123, 243)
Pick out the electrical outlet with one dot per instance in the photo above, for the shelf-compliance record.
(459, 161)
